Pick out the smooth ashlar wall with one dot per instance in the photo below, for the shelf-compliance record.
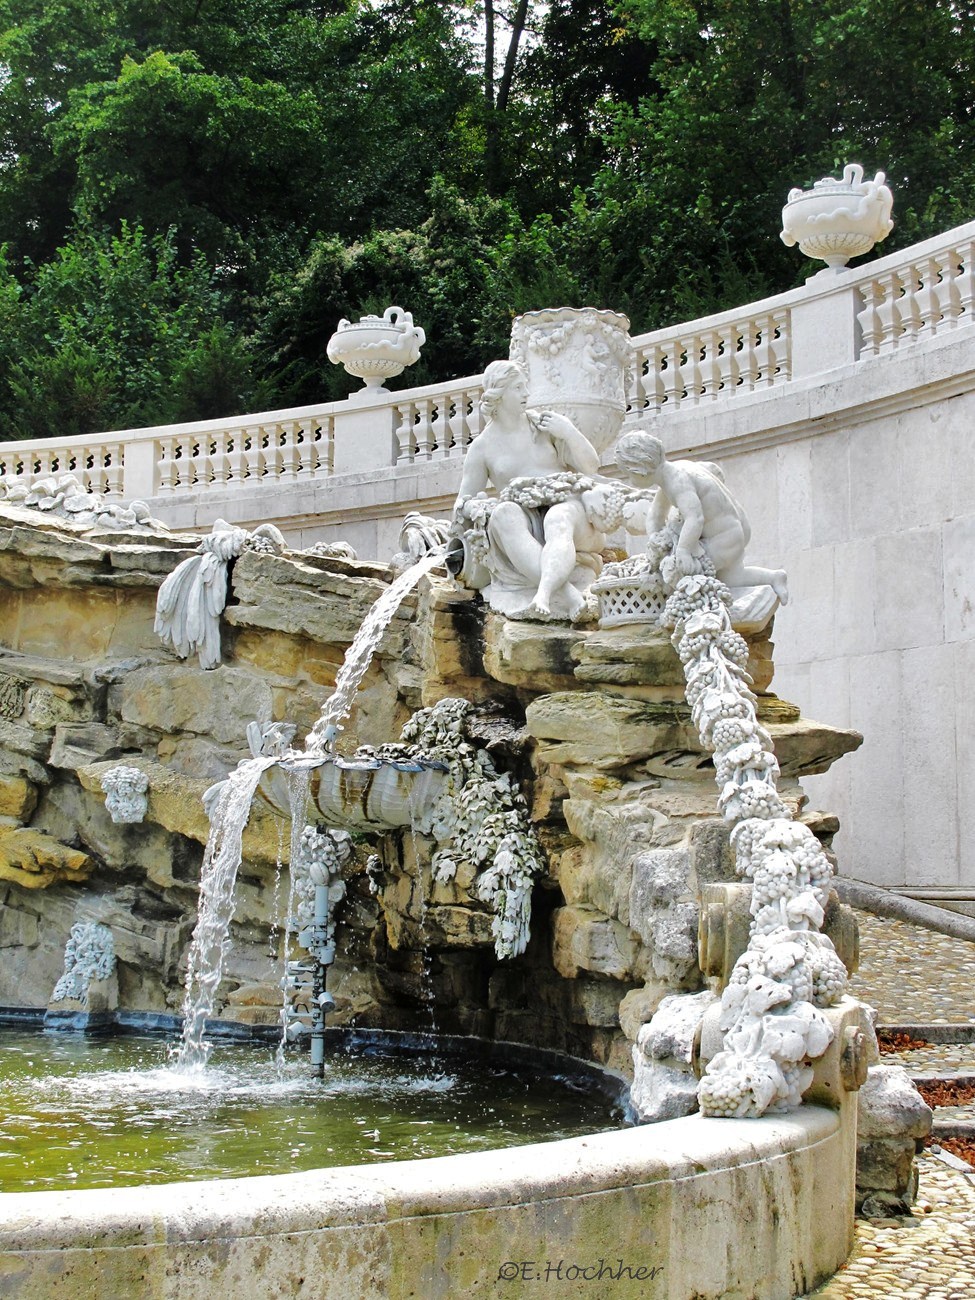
(868, 499)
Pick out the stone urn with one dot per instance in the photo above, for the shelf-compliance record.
(580, 363)
(838, 219)
(376, 348)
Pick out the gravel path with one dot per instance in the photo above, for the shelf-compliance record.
(928, 1257)
(914, 976)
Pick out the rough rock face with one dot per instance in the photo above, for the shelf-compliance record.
(892, 1120)
(592, 724)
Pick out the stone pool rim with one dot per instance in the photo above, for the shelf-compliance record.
(721, 1208)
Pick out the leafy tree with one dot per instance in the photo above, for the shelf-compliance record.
(755, 97)
(464, 273)
(252, 170)
(230, 120)
(168, 145)
(115, 333)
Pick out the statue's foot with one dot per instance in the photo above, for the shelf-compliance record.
(587, 612)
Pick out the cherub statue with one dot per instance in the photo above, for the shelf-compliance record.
(534, 536)
(708, 513)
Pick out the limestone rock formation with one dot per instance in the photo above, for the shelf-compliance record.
(590, 724)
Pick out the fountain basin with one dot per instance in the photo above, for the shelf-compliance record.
(81, 1112)
(687, 1208)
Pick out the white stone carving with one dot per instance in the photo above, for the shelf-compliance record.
(579, 362)
(264, 740)
(64, 496)
(770, 1010)
(838, 219)
(420, 535)
(89, 955)
(126, 794)
(533, 546)
(266, 539)
(664, 1085)
(480, 818)
(376, 348)
(694, 501)
(319, 861)
(332, 550)
(192, 598)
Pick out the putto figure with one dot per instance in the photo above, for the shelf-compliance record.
(709, 516)
(532, 545)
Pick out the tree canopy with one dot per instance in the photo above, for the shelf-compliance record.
(192, 192)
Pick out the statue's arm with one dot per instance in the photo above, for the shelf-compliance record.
(474, 477)
(685, 497)
(658, 511)
(574, 448)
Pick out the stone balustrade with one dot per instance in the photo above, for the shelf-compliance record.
(931, 293)
(711, 359)
(831, 321)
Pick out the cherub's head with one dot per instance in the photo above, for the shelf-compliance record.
(639, 454)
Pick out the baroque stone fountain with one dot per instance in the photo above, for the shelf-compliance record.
(542, 857)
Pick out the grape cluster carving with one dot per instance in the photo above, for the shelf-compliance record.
(771, 1011)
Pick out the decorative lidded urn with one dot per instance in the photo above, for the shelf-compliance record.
(579, 362)
(838, 219)
(376, 348)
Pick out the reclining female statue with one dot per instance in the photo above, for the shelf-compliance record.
(537, 536)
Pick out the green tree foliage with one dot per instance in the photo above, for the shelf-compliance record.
(758, 95)
(114, 333)
(235, 122)
(464, 273)
(250, 171)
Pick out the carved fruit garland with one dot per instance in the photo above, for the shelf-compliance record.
(480, 819)
(771, 1009)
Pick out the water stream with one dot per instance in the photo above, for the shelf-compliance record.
(211, 937)
(360, 653)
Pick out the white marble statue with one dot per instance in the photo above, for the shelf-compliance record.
(709, 516)
(89, 955)
(191, 600)
(126, 794)
(533, 535)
